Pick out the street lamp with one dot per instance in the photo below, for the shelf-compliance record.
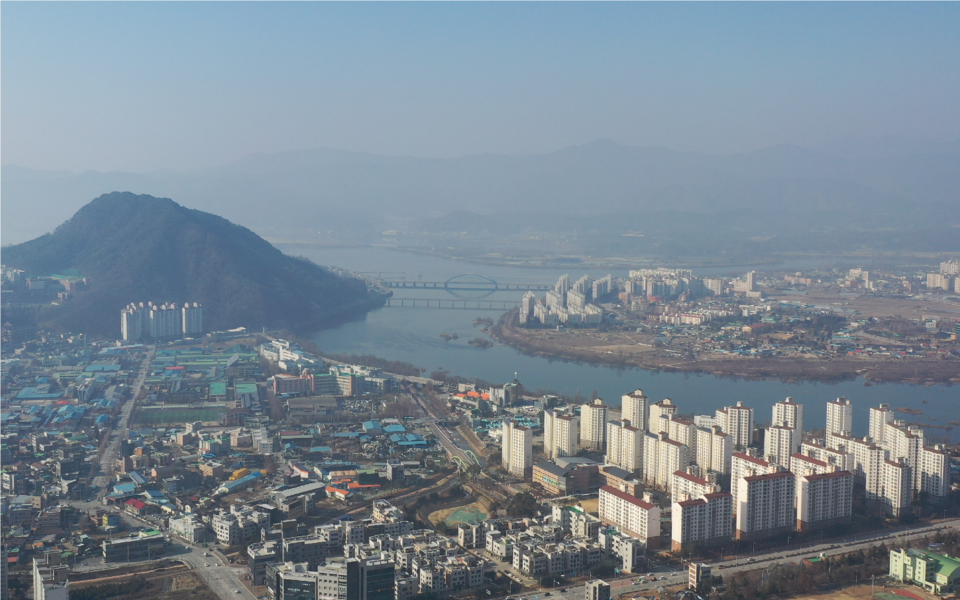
(754, 548)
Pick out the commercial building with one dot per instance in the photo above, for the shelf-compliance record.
(839, 416)
(593, 425)
(143, 547)
(631, 515)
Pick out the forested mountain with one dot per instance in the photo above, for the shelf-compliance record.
(135, 248)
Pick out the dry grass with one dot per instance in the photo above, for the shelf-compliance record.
(590, 506)
(861, 592)
(440, 516)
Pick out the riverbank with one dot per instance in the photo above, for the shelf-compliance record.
(921, 371)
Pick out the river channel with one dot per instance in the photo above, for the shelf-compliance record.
(413, 335)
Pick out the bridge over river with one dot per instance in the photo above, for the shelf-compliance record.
(466, 282)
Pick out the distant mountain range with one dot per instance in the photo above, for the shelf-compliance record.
(888, 182)
(136, 248)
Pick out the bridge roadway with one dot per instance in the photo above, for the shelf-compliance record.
(451, 303)
(467, 287)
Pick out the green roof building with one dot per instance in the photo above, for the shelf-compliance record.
(936, 573)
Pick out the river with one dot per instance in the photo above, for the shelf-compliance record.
(412, 335)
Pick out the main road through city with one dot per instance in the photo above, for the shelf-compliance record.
(629, 583)
(108, 459)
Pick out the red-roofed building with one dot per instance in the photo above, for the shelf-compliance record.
(636, 517)
(765, 505)
(823, 499)
(135, 507)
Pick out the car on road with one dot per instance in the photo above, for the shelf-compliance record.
(673, 574)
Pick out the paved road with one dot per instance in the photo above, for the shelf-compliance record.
(628, 584)
(109, 457)
(223, 579)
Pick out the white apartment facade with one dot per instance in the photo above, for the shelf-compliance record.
(765, 505)
(705, 520)
(839, 416)
(634, 408)
(779, 444)
(737, 421)
(625, 446)
(790, 413)
(517, 449)
(593, 425)
(633, 516)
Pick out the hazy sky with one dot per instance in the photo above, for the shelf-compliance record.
(141, 87)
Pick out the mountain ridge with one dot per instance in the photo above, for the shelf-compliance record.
(135, 248)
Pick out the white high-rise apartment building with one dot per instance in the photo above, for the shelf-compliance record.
(879, 417)
(790, 413)
(661, 458)
(560, 434)
(864, 461)
(625, 446)
(895, 489)
(517, 449)
(685, 432)
(934, 468)
(904, 441)
(686, 485)
(631, 515)
(634, 407)
(765, 504)
(593, 425)
(192, 319)
(704, 520)
(674, 457)
(778, 444)
(823, 499)
(839, 416)
(549, 435)
(737, 422)
(835, 458)
(742, 465)
(664, 408)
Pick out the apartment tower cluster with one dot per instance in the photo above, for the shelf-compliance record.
(140, 321)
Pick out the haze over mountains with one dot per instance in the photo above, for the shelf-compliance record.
(883, 183)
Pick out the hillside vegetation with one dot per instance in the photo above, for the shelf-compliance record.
(135, 248)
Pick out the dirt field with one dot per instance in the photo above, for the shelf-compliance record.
(590, 506)
(440, 516)
(171, 583)
(862, 592)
